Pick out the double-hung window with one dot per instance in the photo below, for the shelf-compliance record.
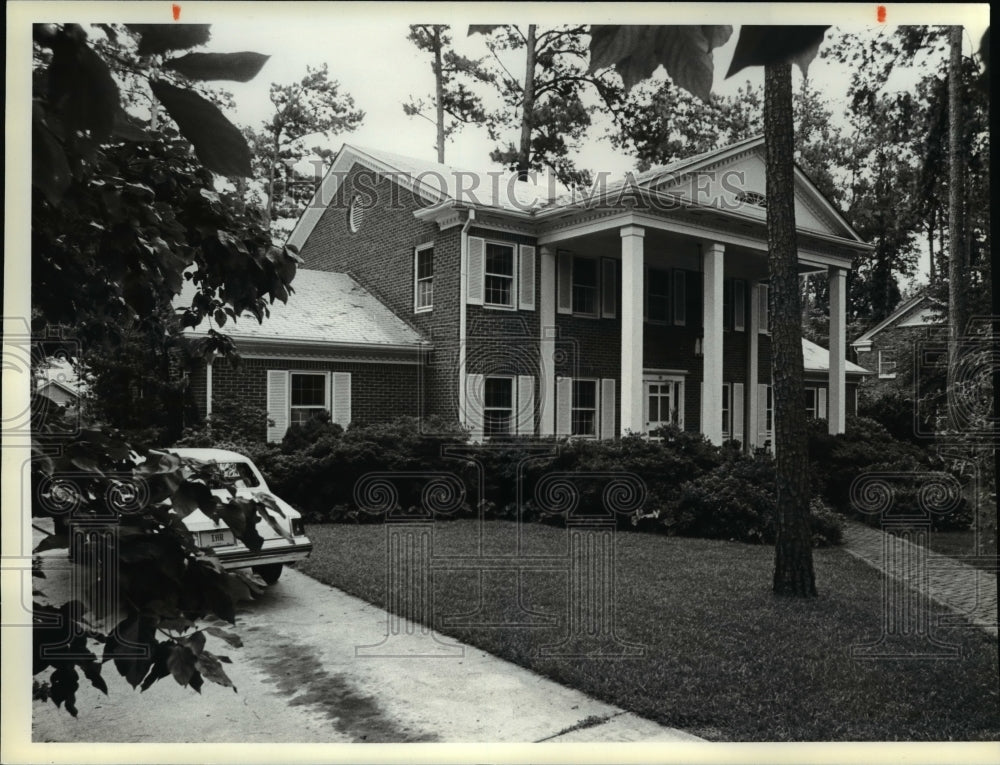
(658, 296)
(585, 286)
(423, 276)
(584, 408)
(886, 365)
(308, 396)
(498, 406)
(499, 273)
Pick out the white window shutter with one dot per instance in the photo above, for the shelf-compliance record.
(340, 398)
(526, 280)
(608, 408)
(762, 434)
(821, 404)
(474, 393)
(739, 305)
(525, 412)
(277, 403)
(762, 306)
(737, 414)
(475, 270)
(680, 297)
(564, 289)
(564, 406)
(609, 288)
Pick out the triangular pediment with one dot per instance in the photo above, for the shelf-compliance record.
(736, 181)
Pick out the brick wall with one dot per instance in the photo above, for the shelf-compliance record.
(379, 391)
(380, 257)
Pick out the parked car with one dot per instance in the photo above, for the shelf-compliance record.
(277, 550)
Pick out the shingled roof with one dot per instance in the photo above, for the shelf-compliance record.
(326, 308)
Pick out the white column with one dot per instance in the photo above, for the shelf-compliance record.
(753, 367)
(837, 399)
(711, 344)
(631, 305)
(547, 343)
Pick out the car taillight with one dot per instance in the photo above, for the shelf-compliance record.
(298, 527)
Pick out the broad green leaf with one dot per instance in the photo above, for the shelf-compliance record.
(211, 669)
(637, 51)
(81, 88)
(160, 38)
(50, 171)
(191, 496)
(52, 542)
(218, 143)
(234, 640)
(181, 663)
(763, 45)
(241, 67)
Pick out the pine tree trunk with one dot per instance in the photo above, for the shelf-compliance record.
(270, 182)
(956, 221)
(528, 108)
(793, 565)
(439, 93)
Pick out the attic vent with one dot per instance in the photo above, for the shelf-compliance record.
(355, 214)
(752, 198)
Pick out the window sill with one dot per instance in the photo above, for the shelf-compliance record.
(425, 309)
(496, 307)
(891, 376)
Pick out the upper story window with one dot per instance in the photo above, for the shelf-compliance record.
(734, 304)
(423, 275)
(585, 286)
(886, 365)
(752, 198)
(499, 282)
(658, 296)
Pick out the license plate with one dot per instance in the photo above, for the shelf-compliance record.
(219, 538)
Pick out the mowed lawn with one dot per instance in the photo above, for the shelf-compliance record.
(724, 659)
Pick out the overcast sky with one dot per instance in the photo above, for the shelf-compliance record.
(366, 50)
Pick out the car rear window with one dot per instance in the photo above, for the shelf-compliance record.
(240, 473)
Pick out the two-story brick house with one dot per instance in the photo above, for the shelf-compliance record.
(888, 347)
(589, 313)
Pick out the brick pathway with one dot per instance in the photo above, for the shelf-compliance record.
(958, 586)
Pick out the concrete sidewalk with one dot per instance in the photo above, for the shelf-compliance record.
(303, 676)
(958, 586)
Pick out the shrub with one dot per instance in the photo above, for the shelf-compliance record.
(737, 501)
(867, 447)
(232, 421)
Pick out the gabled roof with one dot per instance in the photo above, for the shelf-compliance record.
(902, 310)
(816, 358)
(326, 309)
(442, 185)
(60, 372)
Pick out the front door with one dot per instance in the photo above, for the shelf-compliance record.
(664, 402)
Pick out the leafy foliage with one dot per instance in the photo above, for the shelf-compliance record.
(122, 216)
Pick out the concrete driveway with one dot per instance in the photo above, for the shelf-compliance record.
(302, 678)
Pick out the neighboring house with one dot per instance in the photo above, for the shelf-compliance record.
(519, 309)
(887, 348)
(59, 382)
(816, 363)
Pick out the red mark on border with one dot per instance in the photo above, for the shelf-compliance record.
(879, 14)
(177, 12)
